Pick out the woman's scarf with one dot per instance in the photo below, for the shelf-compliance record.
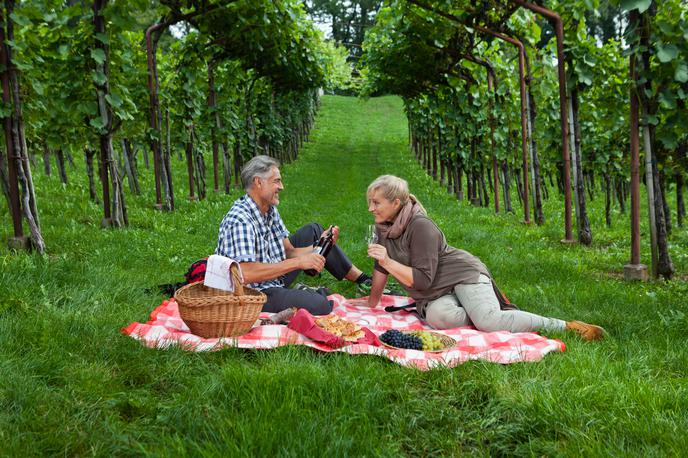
(394, 229)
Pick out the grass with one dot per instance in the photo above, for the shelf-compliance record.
(71, 384)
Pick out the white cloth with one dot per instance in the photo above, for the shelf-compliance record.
(217, 274)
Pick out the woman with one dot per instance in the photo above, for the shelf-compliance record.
(451, 287)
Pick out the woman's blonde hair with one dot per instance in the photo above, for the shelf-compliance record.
(393, 187)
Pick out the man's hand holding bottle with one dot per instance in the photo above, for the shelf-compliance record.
(311, 262)
(322, 248)
(335, 234)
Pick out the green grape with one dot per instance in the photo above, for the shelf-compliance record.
(430, 341)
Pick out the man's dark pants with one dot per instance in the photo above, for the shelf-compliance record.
(336, 263)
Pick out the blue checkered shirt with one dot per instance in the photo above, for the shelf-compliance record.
(248, 236)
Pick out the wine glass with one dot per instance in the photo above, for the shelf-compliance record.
(371, 234)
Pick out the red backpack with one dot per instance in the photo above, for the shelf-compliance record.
(197, 271)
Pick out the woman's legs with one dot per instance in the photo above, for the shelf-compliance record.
(446, 313)
(479, 307)
(482, 307)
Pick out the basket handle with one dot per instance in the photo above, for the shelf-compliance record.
(238, 287)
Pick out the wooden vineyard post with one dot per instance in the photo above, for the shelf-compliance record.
(563, 110)
(19, 241)
(154, 110)
(635, 270)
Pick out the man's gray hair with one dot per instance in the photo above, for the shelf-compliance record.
(259, 166)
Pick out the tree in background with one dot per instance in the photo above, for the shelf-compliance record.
(15, 140)
(348, 20)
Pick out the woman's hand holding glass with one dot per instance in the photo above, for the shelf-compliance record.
(378, 253)
(371, 234)
(373, 246)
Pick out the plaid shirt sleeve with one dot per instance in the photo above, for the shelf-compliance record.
(237, 241)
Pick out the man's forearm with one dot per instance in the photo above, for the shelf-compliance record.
(255, 272)
(296, 252)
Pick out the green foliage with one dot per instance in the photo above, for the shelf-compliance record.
(640, 5)
(405, 51)
(265, 52)
(56, 53)
(337, 69)
(668, 73)
(272, 37)
(419, 53)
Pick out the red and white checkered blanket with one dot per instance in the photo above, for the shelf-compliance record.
(166, 329)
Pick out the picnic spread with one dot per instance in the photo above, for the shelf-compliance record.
(363, 325)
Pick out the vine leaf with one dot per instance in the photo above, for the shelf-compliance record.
(99, 78)
(98, 123)
(103, 38)
(114, 100)
(98, 55)
(640, 5)
(666, 53)
(681, 74)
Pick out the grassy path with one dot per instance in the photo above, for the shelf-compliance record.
(71, 384)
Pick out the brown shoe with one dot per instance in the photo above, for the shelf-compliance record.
(587, 331)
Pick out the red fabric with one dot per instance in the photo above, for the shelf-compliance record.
(166, 329)
(304, 323)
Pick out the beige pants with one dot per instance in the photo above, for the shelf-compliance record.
(477, 305)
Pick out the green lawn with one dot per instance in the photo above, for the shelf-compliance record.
(71, 384)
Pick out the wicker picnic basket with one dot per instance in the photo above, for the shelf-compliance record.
(210, 312)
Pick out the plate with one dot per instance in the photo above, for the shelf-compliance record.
(446, 340)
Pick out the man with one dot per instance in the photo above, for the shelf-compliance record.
(253, 234)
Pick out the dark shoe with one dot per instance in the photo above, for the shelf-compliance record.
(365, 286)
(587, 331)
(282, 317)
(314, 289)
(167, 289)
